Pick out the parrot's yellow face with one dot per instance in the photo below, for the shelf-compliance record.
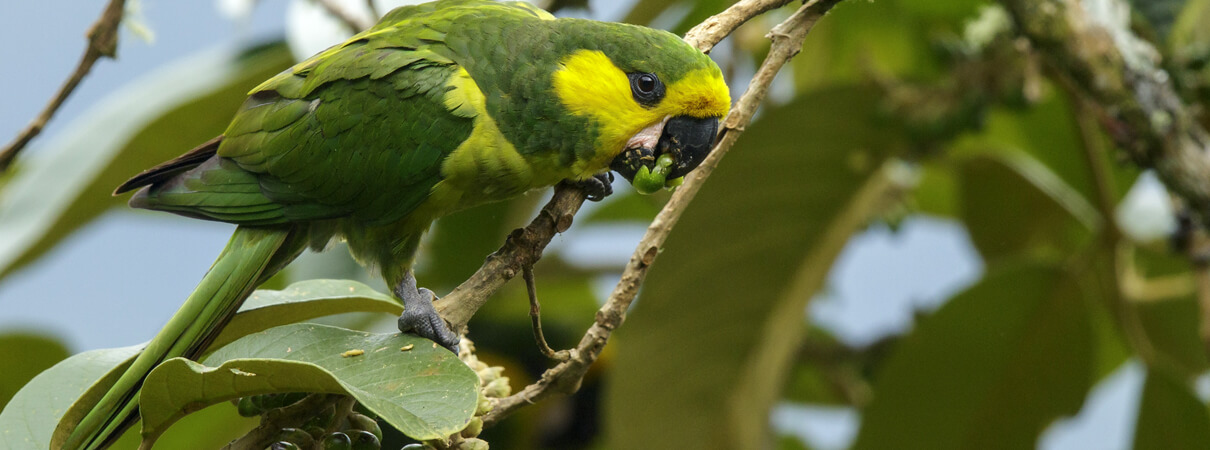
(642, 113)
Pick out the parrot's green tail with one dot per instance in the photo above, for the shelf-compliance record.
(251, 255)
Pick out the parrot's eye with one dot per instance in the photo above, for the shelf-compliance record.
(646, 88)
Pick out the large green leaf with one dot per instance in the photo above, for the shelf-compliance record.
(153, 120)
(301, 301)
(1013, 206)
(861, 38)
(264, 309)
(30, 417)
(28, 354)
(1171, 327)
(991, 369)
(1170, 416)
(704, 355)
(425, 392)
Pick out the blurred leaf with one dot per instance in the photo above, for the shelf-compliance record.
(1171, 327)
(786, 442)
(152, 120)
(938, 191)
(301, 301)
(628, 207)
(955, 12)
(568, 308)
(646, 11)
(1189, 35)
(722, 311)
(1047, 132)
(334, 262)
(462, 241)
(30, 417)
(991, 369)
(1013, 206)
(426, 392)
(862, 39)
(27, 354)
(1170, 416)
(1160, 14)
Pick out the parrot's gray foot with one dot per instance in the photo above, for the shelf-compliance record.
(420, 318)
(598, 187)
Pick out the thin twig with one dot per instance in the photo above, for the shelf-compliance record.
(353, 23)
(102, 41)
(535, 316)
(711, 31)
(565, 377)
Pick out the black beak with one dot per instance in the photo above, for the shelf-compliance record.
(687, 139)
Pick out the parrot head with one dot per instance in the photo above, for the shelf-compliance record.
(653, 100)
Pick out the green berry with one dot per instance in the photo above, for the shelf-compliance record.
(651, 180)
(337, 441)
(283, 445)
(315, 431)
(297, 436)
(362, 422)
(363, 440)
(248, 408)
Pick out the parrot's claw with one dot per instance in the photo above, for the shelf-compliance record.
(420, 318)
(597, 187)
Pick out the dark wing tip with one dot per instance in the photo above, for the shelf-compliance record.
(168, 169)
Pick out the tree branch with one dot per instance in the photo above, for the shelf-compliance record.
(565, 377)
(1133, 97)
(102, 41)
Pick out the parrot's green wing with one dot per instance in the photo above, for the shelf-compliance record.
(358, 130)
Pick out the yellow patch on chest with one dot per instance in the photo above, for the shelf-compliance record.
(486, 166)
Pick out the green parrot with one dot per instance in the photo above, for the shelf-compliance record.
(439, 107)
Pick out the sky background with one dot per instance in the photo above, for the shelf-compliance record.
(116, 281)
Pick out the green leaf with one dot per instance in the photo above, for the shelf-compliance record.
(629, 207)
(461, 241)
(154, 119)
(707, 349)
(263, 310)
(30, 417)
(991, 369)
(301, 301)
(27, 354)
(862, 38)
(1171, 327)
(1013, 206)
(1170, 416)
(426, 392)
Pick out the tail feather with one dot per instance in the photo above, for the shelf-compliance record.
(251, 255)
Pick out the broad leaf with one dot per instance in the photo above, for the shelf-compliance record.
(301, 301)
(991, 369)
(1171, 417)
(27, 354)
(707, 348)
(264, 309)
(426, 392)
(1012, 205)
(152, 120)
(30, 417)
